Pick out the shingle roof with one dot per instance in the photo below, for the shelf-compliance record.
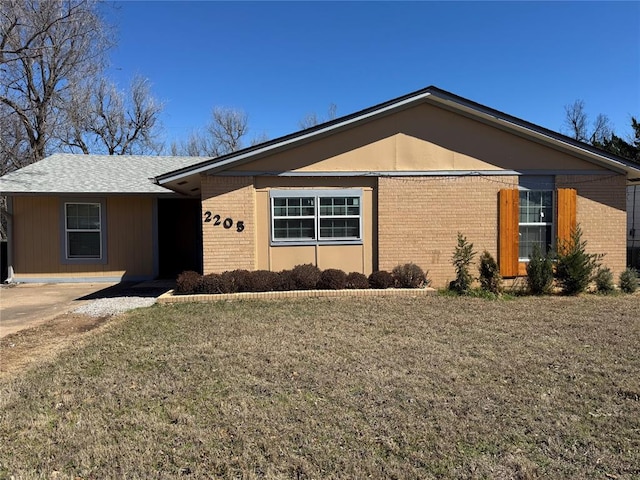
(70, 173)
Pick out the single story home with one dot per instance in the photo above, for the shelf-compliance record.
(387, 185)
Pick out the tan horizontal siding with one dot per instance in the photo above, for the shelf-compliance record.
(37, 239)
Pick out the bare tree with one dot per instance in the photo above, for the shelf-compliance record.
(227, 127)
(577, 124)
(313, 119)
(225, 133)
(46, 48)
(14, 147)
(601, 130)
(103, 119)
(576, 121)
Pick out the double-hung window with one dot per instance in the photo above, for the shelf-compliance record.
(536, 213)
(316, 216)
(536, 222)
(83, 231)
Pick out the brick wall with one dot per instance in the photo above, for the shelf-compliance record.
(601, 213)
(226, 248)
(419, 217)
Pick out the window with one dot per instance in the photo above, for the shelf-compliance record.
(535, 222)
(316, 216)
(83, 230)
(294, 218)
(526, 217)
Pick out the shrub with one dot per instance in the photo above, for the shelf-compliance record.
(629, 280)
(539, 272)
(461, 259)
(262, 281)
(211, 283)
(575, 267)
(188, 282)
(286, 281)
(409, 275)
(305, 276)
(604, 281)
(380, 279)
(357, 280)
(332, 279)
(234, 281)
(490, 278)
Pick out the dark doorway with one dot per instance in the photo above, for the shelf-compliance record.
(4, 270)
(179, 236)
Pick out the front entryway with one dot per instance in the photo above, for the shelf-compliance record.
(179, 236)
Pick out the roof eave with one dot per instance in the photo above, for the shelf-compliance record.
(432, 94)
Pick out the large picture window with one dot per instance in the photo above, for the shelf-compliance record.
(83, 230)
(316, 216)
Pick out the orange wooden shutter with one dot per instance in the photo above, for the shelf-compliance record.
(566, 219)
(509, 201)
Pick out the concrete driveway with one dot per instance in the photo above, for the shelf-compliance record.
(27, 305)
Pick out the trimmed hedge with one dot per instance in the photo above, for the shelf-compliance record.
(381, 279)
(332, 279)
(357, 280)
(188, 282)
(306, 276)
(301, 277)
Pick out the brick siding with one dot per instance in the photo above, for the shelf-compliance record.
(419, 217)
(228, 249)
(601, 213)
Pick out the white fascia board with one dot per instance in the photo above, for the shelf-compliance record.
(374, 173)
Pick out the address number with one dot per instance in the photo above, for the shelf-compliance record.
(227, 223)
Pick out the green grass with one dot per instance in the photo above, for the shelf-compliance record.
(434, 387)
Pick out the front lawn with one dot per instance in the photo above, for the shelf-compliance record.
(427, 387)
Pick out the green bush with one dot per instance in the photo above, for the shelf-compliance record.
(188, 283)
(575, 267)
(490, 278)
(357, 280)
(381, 279)
(462, 258)
(629, 280)
(305, 276)
(409, 275)
(539, 272)
(332, 279)
(604, 281)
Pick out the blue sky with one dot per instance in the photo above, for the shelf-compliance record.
(279, 61)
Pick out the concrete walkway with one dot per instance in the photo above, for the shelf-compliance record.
(27, 305)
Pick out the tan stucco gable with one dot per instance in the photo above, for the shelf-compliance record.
(430, 130)
(423, 138)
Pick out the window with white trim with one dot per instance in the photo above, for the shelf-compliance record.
(536, 222)
(83, 230)
(316, 216)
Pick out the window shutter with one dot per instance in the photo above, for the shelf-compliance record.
(566, 218)
(508, 232)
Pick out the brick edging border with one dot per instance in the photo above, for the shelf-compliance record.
(169, 297)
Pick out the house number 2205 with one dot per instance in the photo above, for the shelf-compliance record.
(226, 223)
